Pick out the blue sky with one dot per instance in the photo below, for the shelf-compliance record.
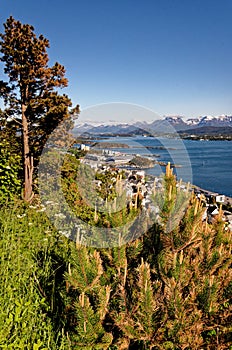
(173, 56)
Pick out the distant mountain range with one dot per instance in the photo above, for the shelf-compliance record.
(170, 124)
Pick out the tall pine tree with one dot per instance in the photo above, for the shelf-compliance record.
(30, 94)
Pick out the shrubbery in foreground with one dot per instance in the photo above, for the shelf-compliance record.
(162, 291)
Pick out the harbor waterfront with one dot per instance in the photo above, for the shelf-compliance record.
(131, 177)
(211, 161)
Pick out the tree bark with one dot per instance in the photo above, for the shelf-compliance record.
(27, 159)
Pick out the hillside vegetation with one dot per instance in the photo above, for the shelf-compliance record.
(162, 291)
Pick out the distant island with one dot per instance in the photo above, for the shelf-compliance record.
(207, 132)
(110, 145)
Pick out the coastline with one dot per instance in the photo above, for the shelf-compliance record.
(205, 172)
(228, 200)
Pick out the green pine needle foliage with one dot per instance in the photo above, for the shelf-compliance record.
(169, 289)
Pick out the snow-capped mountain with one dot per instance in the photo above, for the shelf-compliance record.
(168, 124)
(113, 129)
(175, 119)
(222, 120)
(193, 121)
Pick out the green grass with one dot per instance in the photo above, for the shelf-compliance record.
(33, 258)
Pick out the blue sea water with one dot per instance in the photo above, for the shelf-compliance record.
(207, 164)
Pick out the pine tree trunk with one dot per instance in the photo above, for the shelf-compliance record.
(27, 159)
